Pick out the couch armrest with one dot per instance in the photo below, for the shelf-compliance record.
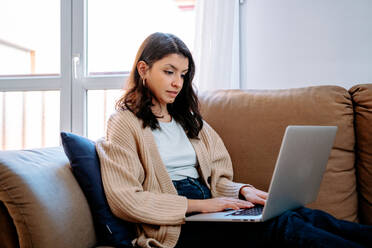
(44, 200)
(8, 233)
(362, 101)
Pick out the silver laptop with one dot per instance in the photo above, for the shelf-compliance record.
(299, 169)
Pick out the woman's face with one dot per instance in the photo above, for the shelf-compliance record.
(165, 77)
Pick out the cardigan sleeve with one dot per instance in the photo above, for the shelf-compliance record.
(123, 175)
(221, 167)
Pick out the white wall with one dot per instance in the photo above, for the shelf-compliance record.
(296, 43)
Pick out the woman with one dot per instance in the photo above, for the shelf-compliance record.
(161, 161)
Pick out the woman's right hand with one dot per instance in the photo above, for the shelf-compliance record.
(217, 204)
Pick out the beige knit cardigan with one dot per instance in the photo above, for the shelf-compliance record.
(138, 187)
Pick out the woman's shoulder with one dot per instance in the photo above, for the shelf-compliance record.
(123, 115)
(207, 132)
(207, 127)
(123, 119)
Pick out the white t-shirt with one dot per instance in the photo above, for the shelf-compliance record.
(176, 151)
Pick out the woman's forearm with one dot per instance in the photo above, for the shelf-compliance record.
(216, 204)
(194, 206)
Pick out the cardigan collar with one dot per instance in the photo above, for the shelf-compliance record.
(160, 169)
(161, 172)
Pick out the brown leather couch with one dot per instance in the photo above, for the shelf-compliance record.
(48, 209)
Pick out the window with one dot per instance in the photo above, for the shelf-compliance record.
(30, 67)
(101, 103)
(117, 28)
(29, 119)
(63, 63)
(29, 45)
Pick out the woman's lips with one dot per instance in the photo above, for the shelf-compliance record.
(172, 93)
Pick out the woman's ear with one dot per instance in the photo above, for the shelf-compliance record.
(142, 68)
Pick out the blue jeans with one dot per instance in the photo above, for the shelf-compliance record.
(302, 227)
(192, 188)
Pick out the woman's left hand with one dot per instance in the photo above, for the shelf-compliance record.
(254, 195)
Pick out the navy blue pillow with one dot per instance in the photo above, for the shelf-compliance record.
(110, 230)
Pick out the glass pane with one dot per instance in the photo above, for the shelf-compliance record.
(101, 104)
(116, 29)
(29, 37)
(29, 119)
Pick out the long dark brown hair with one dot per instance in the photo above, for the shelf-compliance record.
(139, 99)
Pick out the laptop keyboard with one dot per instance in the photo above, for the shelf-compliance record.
(256, 210)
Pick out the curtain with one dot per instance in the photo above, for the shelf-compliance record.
(216, 49)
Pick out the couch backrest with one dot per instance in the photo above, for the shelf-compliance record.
(252, 123)
(44, 200)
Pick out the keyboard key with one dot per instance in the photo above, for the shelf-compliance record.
(256, 210)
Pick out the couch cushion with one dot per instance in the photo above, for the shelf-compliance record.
(362, 98)
(85, 165)
(45, 201)
(252, 124)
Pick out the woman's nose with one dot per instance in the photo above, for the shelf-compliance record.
(177, 82)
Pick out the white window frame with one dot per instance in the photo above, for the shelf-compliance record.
(73, 109)
(84, 82)
(61, 82)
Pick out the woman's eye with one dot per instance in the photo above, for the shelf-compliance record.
(168, 72)
(183, 75)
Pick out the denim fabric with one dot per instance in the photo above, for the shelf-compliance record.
(302, 227)
(306, 227)
(192, 188)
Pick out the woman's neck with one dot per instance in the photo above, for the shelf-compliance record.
(161, 112)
